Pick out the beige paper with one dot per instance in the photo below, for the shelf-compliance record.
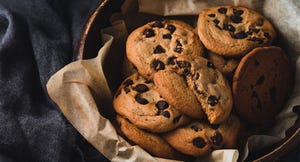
(83, 91)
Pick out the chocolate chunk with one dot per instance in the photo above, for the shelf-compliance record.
(216, 21)
(171, 28)
(158, 24)
(238, 12)
(140, 99)
(240, 35)
(141, 88)
(128, 82)
(258, 102)
(217, 139)
(159, 49)
(195, 128)
(126, 89)
(222, 10)
(166, 114)
(267, 35)
(199, 142)
(212, 100)
(214, 126)
(260, 80)
(212, 15)
(176, 120)
(236, 19)
(229, 28)
(149, 33)
(178, 48)
(210, 65)
(171, 60)
(161, 105)
(259, 22)
(272, 92)
(255, 39)
(167, 36)
(157, 65)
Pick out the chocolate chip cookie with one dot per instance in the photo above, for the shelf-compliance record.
(138, 100)
(233, 31)
(208, 85)
(152, 143)
(199, 137)
(151, 46)
(261, 84)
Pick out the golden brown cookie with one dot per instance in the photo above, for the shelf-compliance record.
(151, 142)
(149, 47)
(261, 84)
(199, 137)
(138, 100)
(233, 31)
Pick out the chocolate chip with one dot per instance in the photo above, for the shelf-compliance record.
(199, 142)
(186, 72)
(217, 139)
(260, 80)
(236, 19)
(252, 30)
(212, 100)
(216, 21)
(159, 49)
(141, 88)
(171, 28)
(238, 12)
(240, 35)
(167, 36)
(128, 82)
(183, 64)
(296, 109)
(166, 114)
(259, 22)
(161, 105)
(148, 81)
(222, 10)
(178, 48)
(229, 28)
(149, 33)
(258, 102)
(171, 60)
(195, 128)
(157, 65)
(158, 24)
(195, 76)
(201, 93)
(214, 126)
(267, 35)
(176, 120)
(272, 92)
(210, 65)
(212, 15)
(140, 99)
(126, 89)
(255, 39)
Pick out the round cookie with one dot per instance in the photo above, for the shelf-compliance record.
(152, 143)
(225, 65)
(138, 100)
(208, 85)
(149, 47)
(233, 31)
(199, 137)
(175, 90)
(261, 84)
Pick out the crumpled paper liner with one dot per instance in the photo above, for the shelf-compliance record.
(83, 91)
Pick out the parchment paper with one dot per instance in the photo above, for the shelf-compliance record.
(83, 89)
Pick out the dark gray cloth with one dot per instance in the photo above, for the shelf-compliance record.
(37, 38)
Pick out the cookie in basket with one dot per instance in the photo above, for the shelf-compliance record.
(233, 31)
(138, 100)
(149, 47)
(261, 84)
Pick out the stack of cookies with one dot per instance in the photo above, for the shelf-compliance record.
(179, 102)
